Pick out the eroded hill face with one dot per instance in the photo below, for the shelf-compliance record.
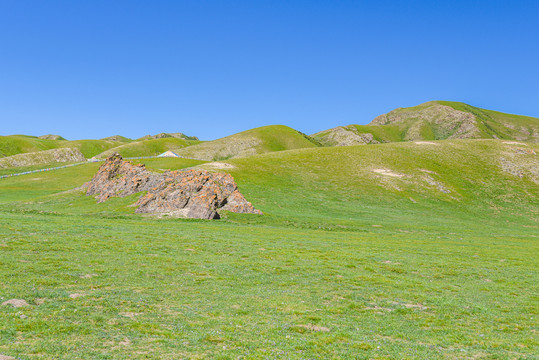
(435, 120)
(43, 157)
(197, 194)
(345, 136)
(432, 121)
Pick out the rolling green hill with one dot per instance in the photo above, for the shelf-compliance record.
(19, 144)
(168, 135)
(255, 141)
(359, 182)
(51, 137)
(435, 120)
(151, 147)
(118, 138)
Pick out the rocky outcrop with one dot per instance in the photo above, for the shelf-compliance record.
(344, 136)
(43, 157)
(198, 194)
(119, 178)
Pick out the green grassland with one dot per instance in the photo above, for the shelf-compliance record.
(386, 251)
(251, 142)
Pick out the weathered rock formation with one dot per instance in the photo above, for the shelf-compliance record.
(193, 193)
(43, 157)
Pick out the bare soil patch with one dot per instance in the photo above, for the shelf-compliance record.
(16, 303)
(219, 165)
(387, 172)
(425, 143)
(314, 327)
(514, 143)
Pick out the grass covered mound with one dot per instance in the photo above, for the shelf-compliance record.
(384, 251)
(20, 144)
(148, 147)
(251, 142)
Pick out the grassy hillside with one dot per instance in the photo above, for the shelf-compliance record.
(500, 125)
(355, 183)
(436, 120)
(63, 155)
(150, 147)
(89, 148)
(19, 144)
(118, 138)
(358, 135)
(255, 141)
(401, 250)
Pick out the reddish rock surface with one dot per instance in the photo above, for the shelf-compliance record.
(194, 193)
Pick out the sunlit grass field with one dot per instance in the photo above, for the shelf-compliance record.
(346, 262)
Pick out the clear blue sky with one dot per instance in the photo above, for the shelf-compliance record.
(90, 69)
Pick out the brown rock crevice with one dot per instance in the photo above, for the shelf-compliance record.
(193, 193)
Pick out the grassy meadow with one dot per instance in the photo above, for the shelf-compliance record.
(391, 251)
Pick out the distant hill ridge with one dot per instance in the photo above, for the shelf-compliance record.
(43, 157)
(168, 135)
(435, 120)
(251, 142)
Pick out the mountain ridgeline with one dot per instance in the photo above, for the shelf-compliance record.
(434, 120)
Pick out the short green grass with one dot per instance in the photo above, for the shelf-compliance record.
(340, 248)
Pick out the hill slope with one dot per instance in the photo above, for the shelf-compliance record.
(448, 177)
(20, 144)
(151, 147)
(251, 142)
(435, 120)
(168, 135)
(42, 157)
